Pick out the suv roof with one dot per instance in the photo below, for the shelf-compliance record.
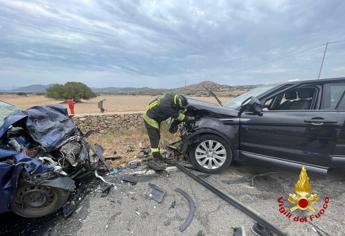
(316, 80)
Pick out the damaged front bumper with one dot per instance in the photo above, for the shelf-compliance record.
(42, 156)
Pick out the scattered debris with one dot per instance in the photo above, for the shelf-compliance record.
(114, 171)
(156, 193)
(233, 201)
(192, 209)
(239, 231)
(69, 208)
(171, 169)
(99, 151)
(134, 163)
(157, 166)
(261, 230)
(106, 190)
(75, 199)
(101, 178)
(144, 172)
(172, 205)
(318, 230)
(113, 158)
(129, 179)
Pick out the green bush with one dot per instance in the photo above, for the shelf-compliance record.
(70, 90)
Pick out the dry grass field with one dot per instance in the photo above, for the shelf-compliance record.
(112, 103)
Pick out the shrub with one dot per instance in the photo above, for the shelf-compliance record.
(75, 90)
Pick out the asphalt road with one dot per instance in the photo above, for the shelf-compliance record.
(128, 210)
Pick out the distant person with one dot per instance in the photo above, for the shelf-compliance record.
(101, 105)
(160, 109)
(71, 104)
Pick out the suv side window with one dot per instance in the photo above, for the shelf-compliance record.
(332, 95)
(300, 98)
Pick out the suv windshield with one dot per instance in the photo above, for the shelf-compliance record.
(237, 101)
(6, 110)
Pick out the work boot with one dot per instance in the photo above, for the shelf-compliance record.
(157, 156)
(157, 163)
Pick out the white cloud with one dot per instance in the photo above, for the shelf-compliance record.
(167, 42)
(339, 69)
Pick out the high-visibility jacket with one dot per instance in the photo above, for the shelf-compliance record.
(162, 108)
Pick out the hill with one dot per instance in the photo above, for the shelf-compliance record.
(35, 88)
(193, 89)
(220, 89)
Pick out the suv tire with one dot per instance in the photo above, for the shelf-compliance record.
(210, 154)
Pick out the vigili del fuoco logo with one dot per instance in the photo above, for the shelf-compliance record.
(302, 206)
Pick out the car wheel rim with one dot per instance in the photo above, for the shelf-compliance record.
(35, 197)
(210, 154)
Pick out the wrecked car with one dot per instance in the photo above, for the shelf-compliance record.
(291, 124)
(42, 153)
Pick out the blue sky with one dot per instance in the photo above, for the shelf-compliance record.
(165, 43)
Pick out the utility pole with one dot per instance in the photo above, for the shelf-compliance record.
(323, 59)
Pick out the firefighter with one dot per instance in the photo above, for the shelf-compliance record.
(160, 109)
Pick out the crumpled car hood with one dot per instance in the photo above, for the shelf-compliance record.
(47, 125)
(200, 106)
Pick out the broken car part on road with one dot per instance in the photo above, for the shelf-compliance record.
(239, 231)
(234, 202)
(103, 180)
(192, 208)
(156, 193)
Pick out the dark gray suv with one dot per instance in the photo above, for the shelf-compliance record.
(291, 124)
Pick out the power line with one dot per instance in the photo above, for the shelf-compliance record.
(324, 54)
(323, 60)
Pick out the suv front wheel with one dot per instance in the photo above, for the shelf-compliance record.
(211, 154)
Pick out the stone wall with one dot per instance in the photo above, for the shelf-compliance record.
(104, 123)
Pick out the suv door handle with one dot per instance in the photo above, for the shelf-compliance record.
(318, 121)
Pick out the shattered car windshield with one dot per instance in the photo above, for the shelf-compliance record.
(6, 110)
(237, 101)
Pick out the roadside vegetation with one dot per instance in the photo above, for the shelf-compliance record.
(70, 90)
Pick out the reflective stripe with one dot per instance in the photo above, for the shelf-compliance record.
(153, 104)
(154, 150)
(181, 117)
(151, 121)
(180, 102)
(175, 97)
(148, 119)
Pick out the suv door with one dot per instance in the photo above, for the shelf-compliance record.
(292, 127)
(333, 107)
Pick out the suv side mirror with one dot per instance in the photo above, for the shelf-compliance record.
(253, 105)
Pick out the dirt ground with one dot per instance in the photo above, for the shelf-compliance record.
(112, 103)
(126, 144)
